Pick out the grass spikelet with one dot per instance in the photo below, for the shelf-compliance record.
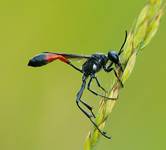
(139, 36)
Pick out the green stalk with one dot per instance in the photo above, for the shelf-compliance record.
(139, 36)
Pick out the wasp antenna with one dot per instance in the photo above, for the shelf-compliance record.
(121, 49)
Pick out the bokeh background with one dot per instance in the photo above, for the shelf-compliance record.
(37, 105)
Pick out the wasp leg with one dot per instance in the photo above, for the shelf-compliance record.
(89, 107)
(97, 81)
(102, 132)
(112, 69)
(90, 116)
(74, 67)
(79, 94)
(118, 78)
(95, 93)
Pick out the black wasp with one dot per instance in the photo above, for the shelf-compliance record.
(93, 64)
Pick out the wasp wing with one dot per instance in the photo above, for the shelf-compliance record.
(47, 57)
(72, 56)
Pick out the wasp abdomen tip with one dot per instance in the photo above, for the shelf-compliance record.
(32, 64)
(38, 60)
(29, 63)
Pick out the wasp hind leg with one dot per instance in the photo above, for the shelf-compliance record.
(78, 100)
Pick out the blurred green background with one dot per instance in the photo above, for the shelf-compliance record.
(37, 105)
